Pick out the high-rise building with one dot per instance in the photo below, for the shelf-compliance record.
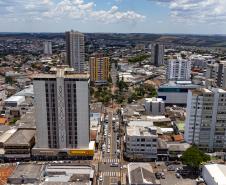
(47, 47)
(178, 69)
(217, 72)
(206, 119)
(75, 50)
(62, 110)
(99, 69)
(157, 54)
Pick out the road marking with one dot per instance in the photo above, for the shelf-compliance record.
(110, 174)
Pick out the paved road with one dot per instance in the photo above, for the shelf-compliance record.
(110, 175)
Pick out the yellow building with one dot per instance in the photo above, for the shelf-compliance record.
(99, 69)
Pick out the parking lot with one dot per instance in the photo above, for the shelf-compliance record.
(169, 175)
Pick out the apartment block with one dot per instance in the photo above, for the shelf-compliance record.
(99, 69)
(154, 106)
(75, 50)
(178, 69)
(206, 119)
(157, 54)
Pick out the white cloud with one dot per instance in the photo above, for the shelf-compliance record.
(197, 11)
(64, 9)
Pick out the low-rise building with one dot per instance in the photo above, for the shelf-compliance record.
(142, 174)
(18, 146)
(14, 101)
(68, 174)
(141, 143)
(154, 106)
(214, 174)
(26, 174)
(175, 92)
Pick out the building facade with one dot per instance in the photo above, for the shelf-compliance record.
(99, 69)
(75, 50)
(47, 48)
(178, 69)
(154, 106)
(206, 119)
(175, 93)
(62, 110)
(141, 143)
(157, 54)
(217, 73)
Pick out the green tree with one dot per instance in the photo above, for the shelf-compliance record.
(8, 80)
(193, 157)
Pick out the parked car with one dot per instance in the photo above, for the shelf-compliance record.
(114, 164)
(178, 175)
(158, 175)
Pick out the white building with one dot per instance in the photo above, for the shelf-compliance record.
(47, 48)
(178, 69)
(75, 50)
(217, 72)
(206, 119)
(175, 93)
(214, 174)
(14, 101)
(154, 106)
(157, 54)
(62, 110)
(141, 143)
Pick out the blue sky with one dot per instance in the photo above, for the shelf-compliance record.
(146, 16)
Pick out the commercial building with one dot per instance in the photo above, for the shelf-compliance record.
(206, 119)
(62, 113)
(154, 106)
(157, 54)
(178, 69)
(26, 174)
(14, 101)
(75, 50)
(142, 174)
(214, 174)
(68, 174)
(99, 69)
(47, 45)
(141, 143)
(175, 92)
(18, 146)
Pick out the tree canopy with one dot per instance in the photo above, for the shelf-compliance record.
(193, 157)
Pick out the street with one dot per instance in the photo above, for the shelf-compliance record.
(110, 163)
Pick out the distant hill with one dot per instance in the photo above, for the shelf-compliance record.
(133, 38)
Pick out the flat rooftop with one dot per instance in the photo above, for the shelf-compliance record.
(68, 174)
(218, 172)
(21, 137)
(140, 131)
(144, 123)
(27, 171)
(178, 84)
(62, 73)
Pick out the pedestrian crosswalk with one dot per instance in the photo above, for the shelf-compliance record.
(110, 174)
(108, 160)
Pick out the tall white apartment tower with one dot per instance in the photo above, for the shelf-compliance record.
(157, 54)
(62, 109)
(206, 119)
(75, 50)
(178, 69)
(47, 45)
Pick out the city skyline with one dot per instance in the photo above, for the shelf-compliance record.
(123, 16)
